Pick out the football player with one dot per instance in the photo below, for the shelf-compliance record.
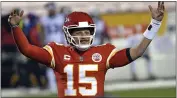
(80, 68)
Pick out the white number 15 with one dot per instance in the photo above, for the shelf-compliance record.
(70, 91)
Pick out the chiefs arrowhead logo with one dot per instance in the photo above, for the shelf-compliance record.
(67, 20)
(96, 57)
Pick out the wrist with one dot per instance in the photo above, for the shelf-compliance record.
(13, 25)
(155, 21)
(152, 29)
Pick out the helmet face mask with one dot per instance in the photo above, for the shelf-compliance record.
(81, 42)
(81, 24)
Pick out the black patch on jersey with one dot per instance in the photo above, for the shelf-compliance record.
(128, 55)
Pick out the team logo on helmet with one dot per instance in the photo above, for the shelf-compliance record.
(96, 57)
(67, 20)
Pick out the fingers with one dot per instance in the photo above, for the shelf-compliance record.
(9, 18)
(150, 8)
(163, 7)
(15, 12)
(21, 13)
(158, 4)
(12, 13)
(160, 14)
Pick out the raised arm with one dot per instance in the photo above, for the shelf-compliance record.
(31, 51)
(149, 34)
(119, 58)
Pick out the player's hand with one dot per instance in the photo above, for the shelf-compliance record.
(158, 13)
(15, 17)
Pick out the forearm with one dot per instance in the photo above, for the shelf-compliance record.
(149, 34)
(20, 39)
(138, 51)
(31, 51)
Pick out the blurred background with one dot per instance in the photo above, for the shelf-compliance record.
(119, 23)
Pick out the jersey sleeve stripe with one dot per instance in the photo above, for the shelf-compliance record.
(113, 52)
(49, 49)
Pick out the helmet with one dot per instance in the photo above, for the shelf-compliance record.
(79, 20)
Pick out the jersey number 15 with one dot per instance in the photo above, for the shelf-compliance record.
(70, 91)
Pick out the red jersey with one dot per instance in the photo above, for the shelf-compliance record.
(83, 74)
(77, 74)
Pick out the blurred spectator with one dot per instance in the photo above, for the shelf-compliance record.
(133, 40)
(101, 29)
(9, 53)
(32, 28)
(36, 72)
(52, 32)
(52, 25)
(65, 10)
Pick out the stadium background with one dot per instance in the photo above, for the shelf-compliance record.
(118, 14)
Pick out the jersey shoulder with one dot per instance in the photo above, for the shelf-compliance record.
(54, 47)
(105, 49)
(56, 50)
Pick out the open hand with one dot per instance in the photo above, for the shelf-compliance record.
(15, 17)
(158, 13)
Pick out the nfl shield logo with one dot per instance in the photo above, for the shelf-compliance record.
(96, 57)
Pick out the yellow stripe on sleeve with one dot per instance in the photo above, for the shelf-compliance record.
(49, 49)
(113, 52)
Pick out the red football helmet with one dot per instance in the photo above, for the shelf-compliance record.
(79, 20)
